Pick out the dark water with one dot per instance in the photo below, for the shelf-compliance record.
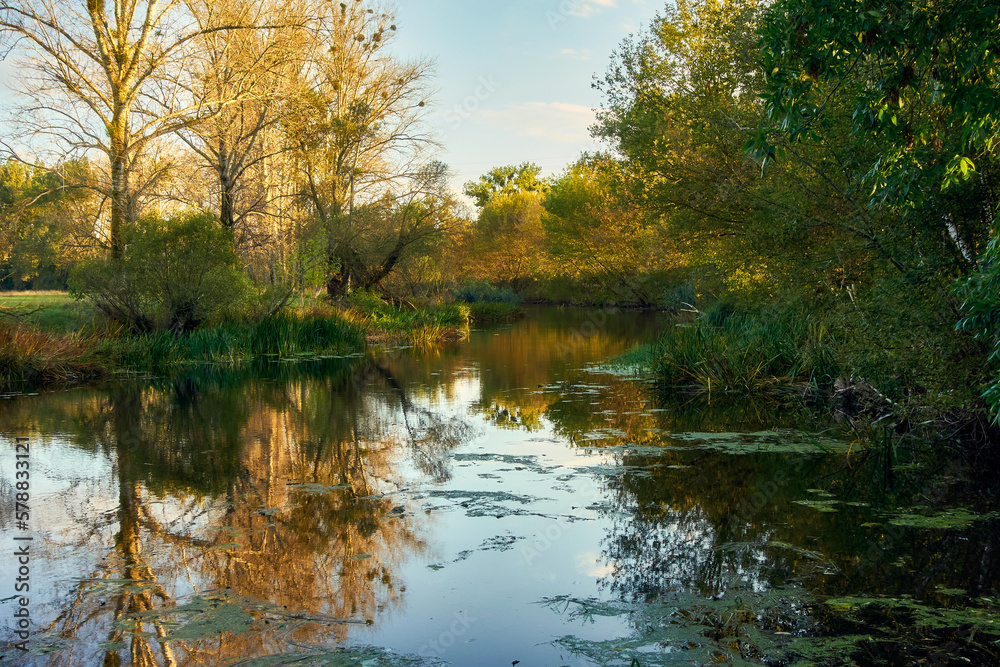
(507, 499)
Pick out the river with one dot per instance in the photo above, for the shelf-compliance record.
(511, 499)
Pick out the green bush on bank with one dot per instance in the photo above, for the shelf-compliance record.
(174, 275)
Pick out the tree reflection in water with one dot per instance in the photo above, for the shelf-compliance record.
(241, 502)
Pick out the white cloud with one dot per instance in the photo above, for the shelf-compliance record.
(555, 121)
(590, 564)
(582, 54)
(586, 8)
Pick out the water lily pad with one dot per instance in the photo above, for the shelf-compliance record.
(820, 505)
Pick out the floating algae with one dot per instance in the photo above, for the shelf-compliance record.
(952, 519)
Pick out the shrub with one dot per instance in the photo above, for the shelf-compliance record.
(175, 275)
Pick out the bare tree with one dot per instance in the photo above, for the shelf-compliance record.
(356, 127)
(243, 80)
(107, 78)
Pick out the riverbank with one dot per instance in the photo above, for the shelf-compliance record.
(712, 527)
(809, 356)
(52, 340)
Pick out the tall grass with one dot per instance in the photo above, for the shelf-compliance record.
(485, 312)
(387, 324)
(284, 334)
(725, 350)
(29, 357)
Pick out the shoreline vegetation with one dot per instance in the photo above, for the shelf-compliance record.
(811, 189)
(51, 340)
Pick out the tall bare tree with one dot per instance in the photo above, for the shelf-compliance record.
(107, 77)
(356, 128)
(243, 80)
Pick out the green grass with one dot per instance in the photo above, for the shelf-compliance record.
(36, 351)
(49, 311)
(485, 313)
(283, 335)
(731, 351)
(31, 358)
(388, 324)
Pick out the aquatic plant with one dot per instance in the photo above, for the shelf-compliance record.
(726, 350)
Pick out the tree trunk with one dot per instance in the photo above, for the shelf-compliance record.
(227, 187)
(119, 203)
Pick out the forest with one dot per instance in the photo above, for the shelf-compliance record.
(811, 187)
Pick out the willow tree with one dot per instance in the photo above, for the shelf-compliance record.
(356, 130)
(110, 78)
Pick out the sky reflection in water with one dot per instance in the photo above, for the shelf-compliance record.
(501, 500)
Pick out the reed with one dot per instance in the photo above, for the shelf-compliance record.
(745, 352)
(284, 334)
(29, 357)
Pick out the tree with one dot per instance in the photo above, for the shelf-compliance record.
(506, 180)
(923, 78)
(677, 102)
(110, 78)
(507, 241)
(598, 232)
(354, 126)
(386, 231)
(43, 213)
(242, 80)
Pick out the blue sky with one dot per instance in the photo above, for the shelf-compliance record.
(513, 79)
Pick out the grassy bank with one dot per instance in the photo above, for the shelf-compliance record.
(810, 352)
(49, 311)
(30, 358)
(56, 340)
(284, 335)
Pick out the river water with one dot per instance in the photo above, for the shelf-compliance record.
(512, 499)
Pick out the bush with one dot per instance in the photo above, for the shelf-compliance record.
(981, 316)
(175, 275)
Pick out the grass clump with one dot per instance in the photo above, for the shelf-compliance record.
(388, 324)
(482, 291)
(485, 312)
(29, 357)
(728, 350)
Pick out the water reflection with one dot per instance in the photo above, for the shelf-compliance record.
(292, 509)
(272, 489)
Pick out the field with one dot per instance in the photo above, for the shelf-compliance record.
(49, 311)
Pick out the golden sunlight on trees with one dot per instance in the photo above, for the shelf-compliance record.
(355, 130)
(293, 123)
(112, 80)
